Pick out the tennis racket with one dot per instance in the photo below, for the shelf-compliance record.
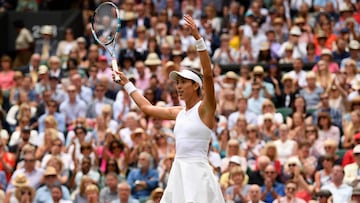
(105, 26)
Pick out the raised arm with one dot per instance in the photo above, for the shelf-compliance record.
(208, 105)
(165, 113)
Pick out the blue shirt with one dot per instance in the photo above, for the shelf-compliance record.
(335, 115)
(269, 87)
(254, 105)
(131, 200)
(60, 119)
(43, 194)
(151, 178)
(279, 188)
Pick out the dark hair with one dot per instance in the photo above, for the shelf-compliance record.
(197, 72)
(118, 142)
(293, 103)
(324, 115)
(82, 128)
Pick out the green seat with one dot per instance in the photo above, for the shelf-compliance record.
(285, 112)
(341, 152)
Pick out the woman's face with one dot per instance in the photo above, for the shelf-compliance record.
(237, 179)
(252, 134)
(298, 120)
(268, 108)
(185, 87)
(324, 122)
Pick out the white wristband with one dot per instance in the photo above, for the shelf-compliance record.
(200, 45)
(130, 88)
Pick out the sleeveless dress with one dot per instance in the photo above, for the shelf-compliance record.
(191, 178)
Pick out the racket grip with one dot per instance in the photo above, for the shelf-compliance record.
(115, 69)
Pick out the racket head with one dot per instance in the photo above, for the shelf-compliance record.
(105, 23)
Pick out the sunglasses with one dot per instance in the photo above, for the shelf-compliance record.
(29, 160)
(269, 172)
(291, 165)
(291, 188)
(310, 131)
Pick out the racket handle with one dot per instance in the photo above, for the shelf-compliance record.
(115, 69)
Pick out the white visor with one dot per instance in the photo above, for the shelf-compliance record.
(185, 74)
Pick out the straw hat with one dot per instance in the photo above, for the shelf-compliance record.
(278, 21)
(295, 31)
(50, 171)
(354, 44)
(287, 77)
(289, 46)
(299, 20)
(20, 180)
(129, 16)
(137, 131)
(231, 75)
(81, 40)
(152, 60)
(321, 34)
(258, 69)
(345, 8)
(43, 69)
(46, 30)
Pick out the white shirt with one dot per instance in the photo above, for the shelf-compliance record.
(15, 138)
(284, 149)
(299, 50)
(125, 135)
(300, 77)
(340, 194)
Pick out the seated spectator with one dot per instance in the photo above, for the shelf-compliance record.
(237, 191)
(255, 194)
(326, 129)
(124, 194)
(290, 194)
(110, 192)
(351, 128)
(51, 109)
(235, 161)
(57, 194)
(144, 179)
(335, 115)
(50, 135)
(340, 191)
(24, 193)
(348, 157)
(323, 176)
(311, 92)
(79, 195)
(271, 190)
(330, 148)
(252, 146)
(297, 129)
(323, 196)
(256, 176)
(269, 107)
(270, 150)
(285, 146)
(23, 139)
(57, 163)
(156, 195)
(7, 162)
(351, 176)
(50, 122)
(92, 193)
(266, 90)
(43, 194)
(296, 172)
(86, 169)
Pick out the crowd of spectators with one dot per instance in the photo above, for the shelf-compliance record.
(70, 134)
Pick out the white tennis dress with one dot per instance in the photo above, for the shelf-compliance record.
(191, 178)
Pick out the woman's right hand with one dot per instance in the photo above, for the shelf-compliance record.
(123, 78)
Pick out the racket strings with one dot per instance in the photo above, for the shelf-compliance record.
(105, 23)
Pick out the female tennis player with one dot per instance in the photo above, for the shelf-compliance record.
(191, 178)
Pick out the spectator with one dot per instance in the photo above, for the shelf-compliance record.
(86, 169)
(348, 157)
(334, 114)
(237, 191)
(65, 46)
(144, 179)
(271, 190)
(255, 194)
(351, 175)
(290, 191)
(311, 92)
(24, 193)
(46, 45)
(92, 193)
(23, 44)
(73, 107)
(57, 195)
(79, 195)
(256, 176)
(51, 109)
(298, 74)
(124, 194)
(110, 192)
(340, 191)
(43, 194)
(156, 195)
(323, 176)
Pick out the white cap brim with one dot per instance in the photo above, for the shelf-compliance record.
(185, 74)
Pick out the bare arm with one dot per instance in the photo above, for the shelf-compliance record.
(165, 113)
(208, 104)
